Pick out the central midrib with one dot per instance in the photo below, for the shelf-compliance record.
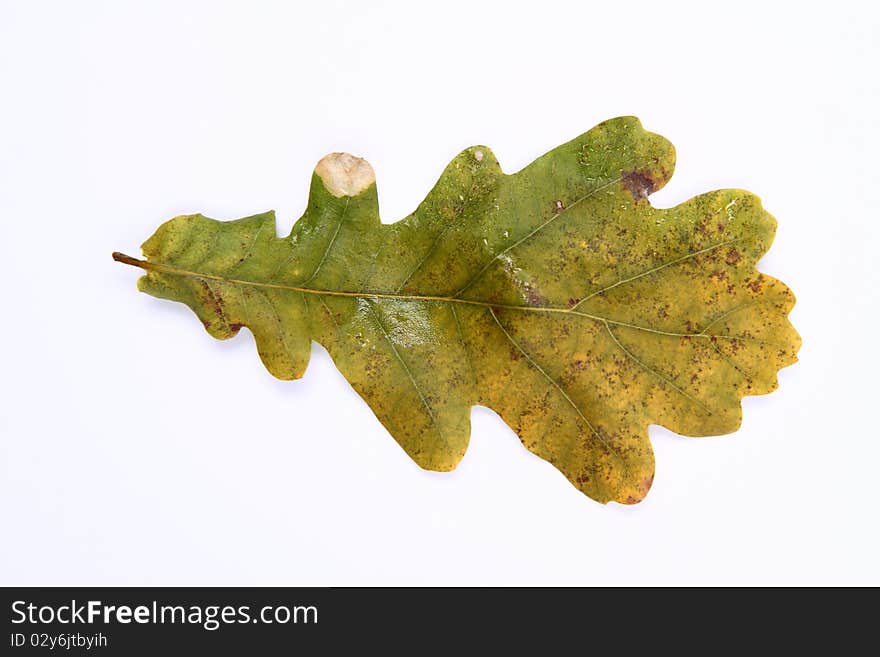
(176, 271)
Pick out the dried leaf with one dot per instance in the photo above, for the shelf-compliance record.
(557, 296)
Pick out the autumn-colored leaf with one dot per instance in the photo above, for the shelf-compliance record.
(557, 296)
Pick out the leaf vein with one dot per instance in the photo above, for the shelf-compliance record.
(540, 227)
(155, 266)
(653, 270)
(654, 372)
(558, 387)
(329, 244)
(407, 370)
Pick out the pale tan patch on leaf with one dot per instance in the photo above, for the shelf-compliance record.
(344, 174)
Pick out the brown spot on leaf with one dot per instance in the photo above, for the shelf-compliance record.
(733, 257)
(638, 183)
(535, 298)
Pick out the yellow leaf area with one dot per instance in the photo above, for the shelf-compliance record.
(557, 296)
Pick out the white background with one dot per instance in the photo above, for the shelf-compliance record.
(137, 450)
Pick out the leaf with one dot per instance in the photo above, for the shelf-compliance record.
(557, 296)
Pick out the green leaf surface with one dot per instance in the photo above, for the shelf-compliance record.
(557, 296)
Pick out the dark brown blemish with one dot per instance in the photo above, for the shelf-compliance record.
(558, 206)
(733, 257)
(535, 298)
(638, 183)
(215, 302)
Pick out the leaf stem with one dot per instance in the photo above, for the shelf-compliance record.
(134, 262)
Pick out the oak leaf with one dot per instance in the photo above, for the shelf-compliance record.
(557, 296)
